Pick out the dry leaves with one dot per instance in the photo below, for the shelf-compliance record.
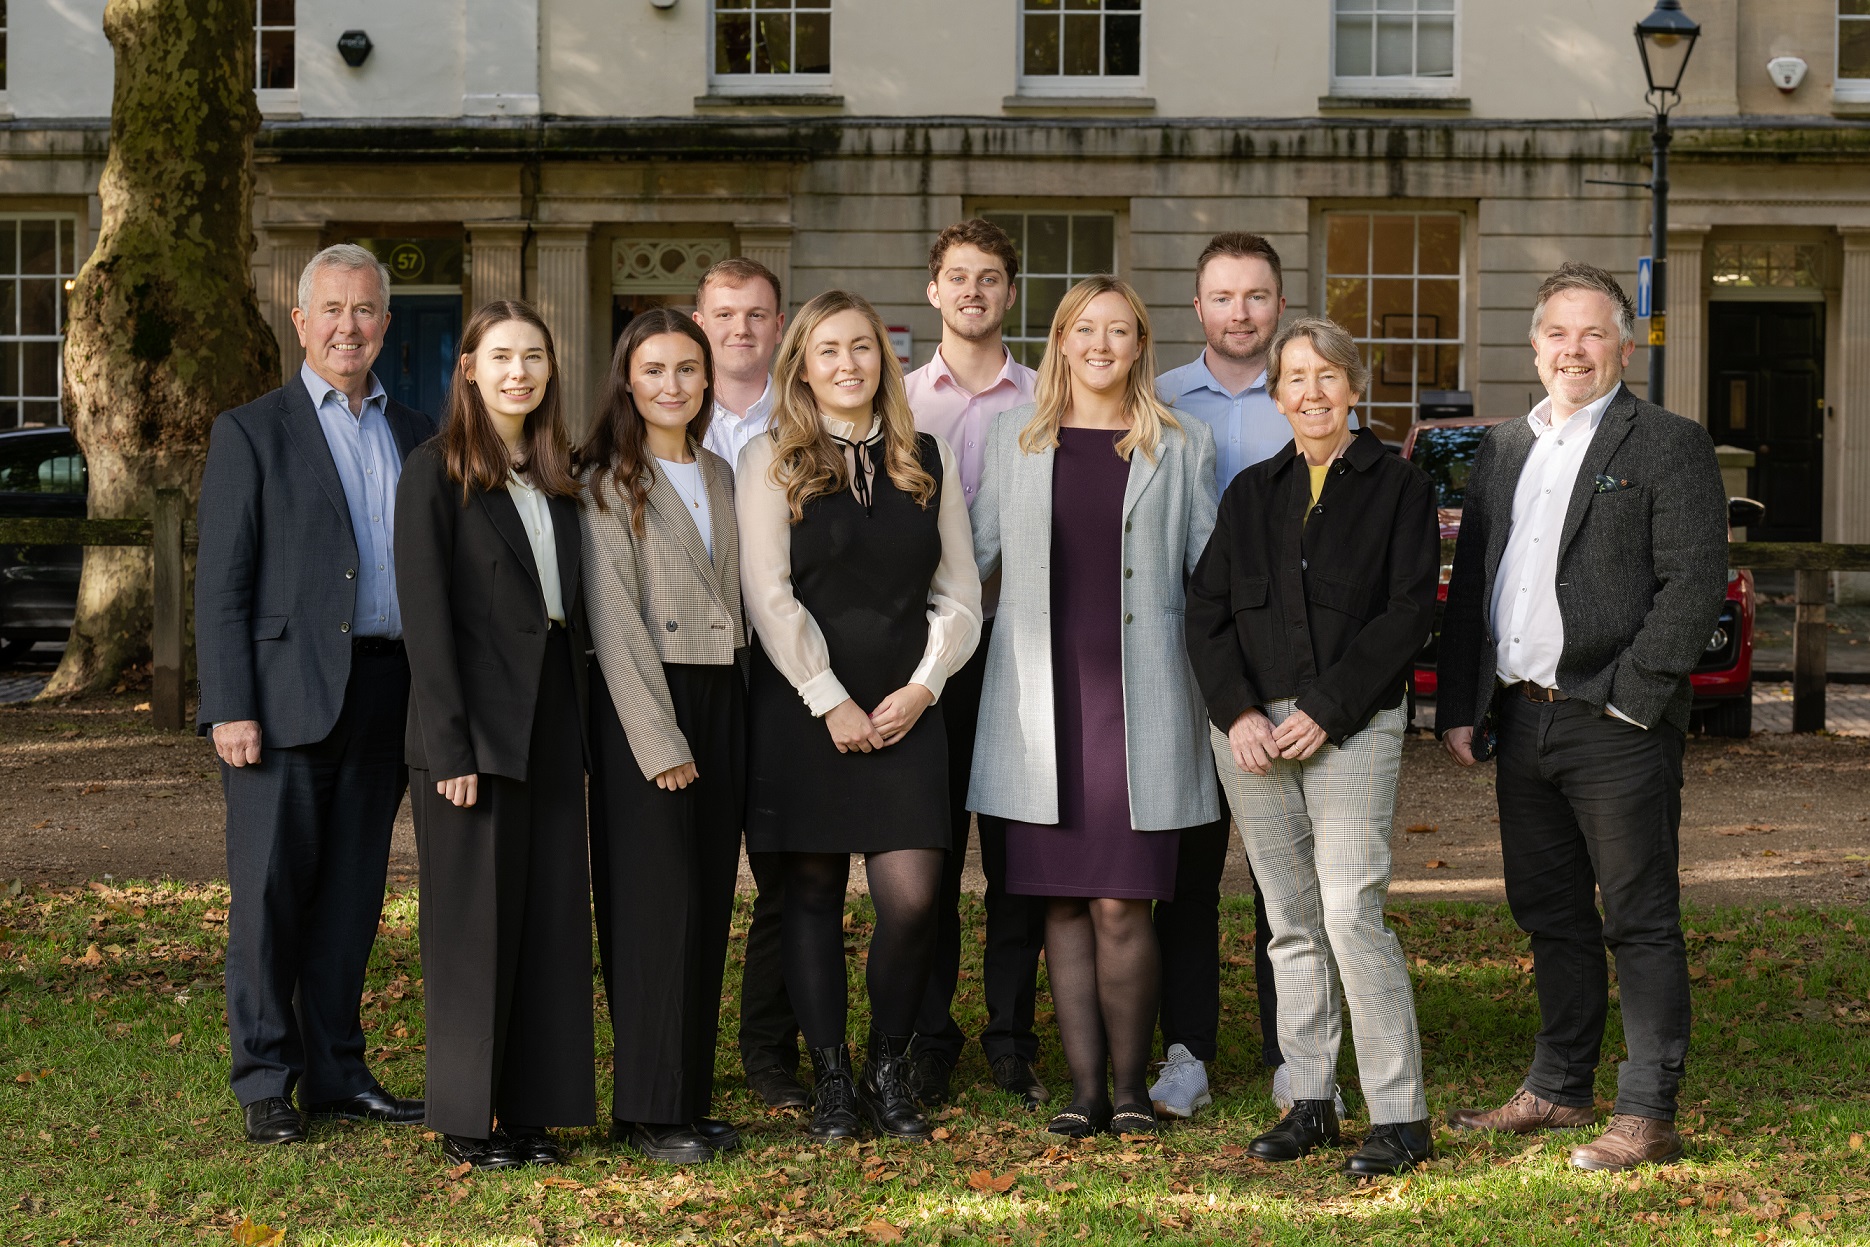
(985, 1181)
(251, 1233)
(457, 1173)
(1435, 863)
(881, 1231)
(1422, 827)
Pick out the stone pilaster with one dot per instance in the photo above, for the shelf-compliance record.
(771, 245)
(498, 249)
(1686, 366)
(1849, 438)
(563, 297)
(292, 249)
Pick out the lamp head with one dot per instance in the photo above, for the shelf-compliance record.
(1665, 39)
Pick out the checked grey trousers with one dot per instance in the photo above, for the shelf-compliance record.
(1318, 835)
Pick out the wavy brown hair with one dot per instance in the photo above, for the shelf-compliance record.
(807, 461)
(618, 445)
(472, 451)
(1148, 414)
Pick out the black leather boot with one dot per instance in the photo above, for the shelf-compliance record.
(1310, 1124)
(1392, 1147)
(883, 1092)
(834, 1096)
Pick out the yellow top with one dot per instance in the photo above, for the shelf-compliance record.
(1317, 471)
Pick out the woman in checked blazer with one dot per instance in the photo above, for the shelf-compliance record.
(668, 721)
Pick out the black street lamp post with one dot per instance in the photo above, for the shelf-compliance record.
(1665, 39)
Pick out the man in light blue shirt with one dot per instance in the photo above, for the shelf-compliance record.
(369, 465)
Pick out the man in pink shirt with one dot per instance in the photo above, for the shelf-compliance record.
(956, 395)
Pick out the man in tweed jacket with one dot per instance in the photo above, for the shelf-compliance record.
(1588, 575)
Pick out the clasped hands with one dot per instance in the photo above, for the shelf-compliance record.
(1256, 742)
(852, 729)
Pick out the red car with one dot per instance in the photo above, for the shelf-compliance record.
(1723, 679)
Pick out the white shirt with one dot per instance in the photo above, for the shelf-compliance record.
(537, 517)
(686, 477)
(728, 433)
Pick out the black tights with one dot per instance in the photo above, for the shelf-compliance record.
(903, 886)
(1101, 957)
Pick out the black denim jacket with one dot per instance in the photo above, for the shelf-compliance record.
(1330, 609)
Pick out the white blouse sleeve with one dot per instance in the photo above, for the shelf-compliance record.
(954, 594)
(787, 631)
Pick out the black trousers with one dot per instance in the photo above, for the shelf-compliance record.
(506, 932)
(664, 865)
(1015, 924)
(1589, 803)
(308, 843)
(769, 1029)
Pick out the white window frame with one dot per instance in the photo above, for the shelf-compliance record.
(1079, 84)
(768, 84)
(1846, 90)
(1118, 238)
(61, 298)
(276, 100)
(1395, 85)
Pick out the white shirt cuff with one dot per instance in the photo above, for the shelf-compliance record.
(823, 693)
(1610, 709)
(929, 675)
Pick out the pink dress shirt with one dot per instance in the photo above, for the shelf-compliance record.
(943, 408)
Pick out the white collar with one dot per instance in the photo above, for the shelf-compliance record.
(1588, 416)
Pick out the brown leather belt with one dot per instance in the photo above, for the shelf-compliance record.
(1535, 692)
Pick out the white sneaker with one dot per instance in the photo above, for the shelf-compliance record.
(1282, 1092)
(1183, 1087)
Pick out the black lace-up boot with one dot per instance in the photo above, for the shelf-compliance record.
(1310, 1124)
(834, 1096)
(883, 1092)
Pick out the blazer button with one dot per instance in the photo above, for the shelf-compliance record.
(1128, 572)
(1304, 566)
(350, 573)
(344, 627)
(1127, 617)
(1126, 526)
(671, 625)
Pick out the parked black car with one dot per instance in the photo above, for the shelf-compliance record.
(41, 474)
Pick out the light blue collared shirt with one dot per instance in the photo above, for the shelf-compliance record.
(1247, 427)
(369, 465)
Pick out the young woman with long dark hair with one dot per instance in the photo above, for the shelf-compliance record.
(487, 570)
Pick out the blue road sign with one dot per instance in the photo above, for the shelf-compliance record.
(1644, 284)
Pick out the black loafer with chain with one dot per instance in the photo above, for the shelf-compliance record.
(1079, 1121)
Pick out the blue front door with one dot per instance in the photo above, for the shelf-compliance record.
(420, 349)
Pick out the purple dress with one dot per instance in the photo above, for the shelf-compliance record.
(1092, 851)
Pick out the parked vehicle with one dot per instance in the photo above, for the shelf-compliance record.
(1722, 680)
(42, 475)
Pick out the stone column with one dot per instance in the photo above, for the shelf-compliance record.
(293, 248)
(498, 249)
(1849, 440)
(563, 297)
(1686, 368)
(771, 245)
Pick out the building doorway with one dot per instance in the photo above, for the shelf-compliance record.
(1766, 394)
(419, 350)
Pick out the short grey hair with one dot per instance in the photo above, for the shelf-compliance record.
(1333, 344)
(1574, 276)
(344, 255)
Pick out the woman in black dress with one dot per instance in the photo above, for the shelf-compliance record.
(668, 730)
(858, 572)
(487, 571)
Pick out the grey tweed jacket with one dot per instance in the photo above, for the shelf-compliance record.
(660, 598)
(1168, 512)
(1642, 567)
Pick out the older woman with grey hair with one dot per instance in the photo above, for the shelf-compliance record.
(1314, 594)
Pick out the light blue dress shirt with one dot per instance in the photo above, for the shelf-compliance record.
(369, 465)
(1247, 427)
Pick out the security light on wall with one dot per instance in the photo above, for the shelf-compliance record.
(1786, 72)
(354, 46)
(663, 4)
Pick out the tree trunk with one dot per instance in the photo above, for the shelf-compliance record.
(165, 330)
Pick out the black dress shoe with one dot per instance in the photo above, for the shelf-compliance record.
(274, 1120)
(883, 1091)
(533, 1145)
(1079, 1121)
(493, 1152)
(834, 1096)
(930, 1074)
(1310, 1124)
(721, 1136)
(1392, 1147)
(778, 1086)
(677, 1145)
(372, 1104)
(1133, 1119)
(1013, 1073)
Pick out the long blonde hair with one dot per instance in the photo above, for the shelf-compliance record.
(1148, 415)
(807, 462)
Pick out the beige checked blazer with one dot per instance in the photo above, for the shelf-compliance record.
(660, 598)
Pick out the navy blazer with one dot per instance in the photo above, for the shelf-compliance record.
(276, 574)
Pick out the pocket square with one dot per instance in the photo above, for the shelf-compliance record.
(1610, 484)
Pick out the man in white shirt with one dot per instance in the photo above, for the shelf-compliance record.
(973, 378)
(1590, 570)
(738, 305)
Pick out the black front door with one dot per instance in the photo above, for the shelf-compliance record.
(1766, 373)
(420, 348)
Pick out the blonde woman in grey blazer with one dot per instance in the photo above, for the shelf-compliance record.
(668, 731)
(1094, 504)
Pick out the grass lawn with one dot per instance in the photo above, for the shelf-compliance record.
(117, 1127)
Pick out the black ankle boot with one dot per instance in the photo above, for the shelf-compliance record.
(834, 1095)
(883, 1092)
(1392, 1147)
(1309, 1124)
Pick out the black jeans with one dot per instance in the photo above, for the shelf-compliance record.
(1188, 930)
(769, 1030)
(1590, 803)
(1015, 924)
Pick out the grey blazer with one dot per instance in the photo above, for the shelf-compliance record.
(1168, 512)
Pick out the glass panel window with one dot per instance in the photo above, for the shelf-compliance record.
(1395, 281)
(1854, 43)
(771, 38)
(275, 32)
(1765, 266)
(1389, 43)
(1077, 39)
(1056, 251)
(38, 262)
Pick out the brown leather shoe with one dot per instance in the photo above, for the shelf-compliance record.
(1524, 1113)
(1630, 1141)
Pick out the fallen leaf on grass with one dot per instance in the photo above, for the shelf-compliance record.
(91, 790)
(175, 1040)
(1745, 1045)
(881, 1231)
(1857, 1143)
(882, 1175)
(984, 1181)
(251, 1233)
(570, 1184)
(940, 1133)
(32, 1076)
(457, 1173)
(949, 1114)
(42, 824)
(1233, 1149)
(1422, 827)
(1697, 972)
(1063, 1188)
(1435, 863)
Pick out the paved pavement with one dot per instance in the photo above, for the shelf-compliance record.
(1847, 708)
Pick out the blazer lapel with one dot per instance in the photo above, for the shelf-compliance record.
(720, 507)
(667, 502)
(565, 536)
(1033, 499)
(1142, 471)
(309, 437)
(1612, 428)
(505, 516)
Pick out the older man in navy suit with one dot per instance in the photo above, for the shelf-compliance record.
(305, 689)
